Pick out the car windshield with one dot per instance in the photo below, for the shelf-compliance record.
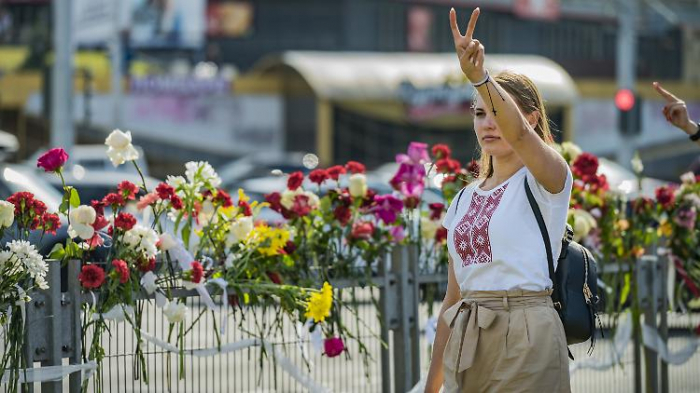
(16, 178)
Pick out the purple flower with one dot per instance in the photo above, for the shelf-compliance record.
(417, 154)
(387, 207)
(686, 218)
(333, 346)
(397, 233)
(409, 179)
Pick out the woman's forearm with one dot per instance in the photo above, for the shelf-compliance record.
(507, 115)
(435, 374)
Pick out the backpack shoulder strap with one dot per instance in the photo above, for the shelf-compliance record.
(543, 229)
(459, 197)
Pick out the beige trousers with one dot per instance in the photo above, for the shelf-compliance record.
(505, 341)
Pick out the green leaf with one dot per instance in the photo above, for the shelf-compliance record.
(57, 252)
(74, 197)
(626, 289)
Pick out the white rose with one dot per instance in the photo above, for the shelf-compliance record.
(313, 199)
(120, 147)
(583, 223)
(358, 185)
(81, 220)
(148, 282)
(287, 199)
(7, 214)
(239, 231)
(175, 312)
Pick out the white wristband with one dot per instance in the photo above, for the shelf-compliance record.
(481, 82)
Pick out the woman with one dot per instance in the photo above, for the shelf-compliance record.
(498, 330)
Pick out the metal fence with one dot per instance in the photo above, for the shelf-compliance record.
(400, 322)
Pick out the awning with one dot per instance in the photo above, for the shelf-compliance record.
(378, 76)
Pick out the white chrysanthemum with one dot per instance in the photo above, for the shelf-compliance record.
(30, 258)
(694, 199)
(201, 172)
(5, 257)
(428, 228)
(41, 282)
(7, 214)
(120, 148)
(175, 312)
(688, 178)
(175, 181)
(142, 239)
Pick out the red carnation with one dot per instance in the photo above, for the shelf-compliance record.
(125, 221)
(441, 151)
(665, 196)
(122, 270)
(146, 265)
(99, 207)
(586, 164)
(197, 272)
(39, 207)
(447, 165)
(274, 199)
(91, 276)
(301, 205)
(176, 202)
(295, 180)
(223, 198)
(343, 214)
(244, 208)
(473, 168)
(128, 189)
(436, 210)
(333, 346)
(355, 167)
(440, 235)
(165, 191)
(318, 176)
(334, 172)
(113, 199)
(290, 247)
(50, 222)
(100, 222)
(53, 160)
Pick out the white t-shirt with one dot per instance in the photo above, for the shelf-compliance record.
(493, 237)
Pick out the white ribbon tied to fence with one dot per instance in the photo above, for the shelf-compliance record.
(53, 373)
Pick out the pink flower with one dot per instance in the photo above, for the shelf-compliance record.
(53, 160)
(387, 208)
(147, 200)
(333, 346)
(362, 230)
(397, 233)
(685, 217)
(128, 189)
(417, 154)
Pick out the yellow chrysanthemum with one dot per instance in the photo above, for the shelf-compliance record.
(270, 241)
(665, 229)
(320, 303)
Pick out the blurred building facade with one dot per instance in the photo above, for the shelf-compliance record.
(244, 37)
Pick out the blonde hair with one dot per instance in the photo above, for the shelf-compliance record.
(528, 98)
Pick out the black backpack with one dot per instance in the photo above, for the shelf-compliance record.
(575, 294)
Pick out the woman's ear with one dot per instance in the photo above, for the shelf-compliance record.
(533, 118)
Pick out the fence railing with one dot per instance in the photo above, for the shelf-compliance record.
(54, 338)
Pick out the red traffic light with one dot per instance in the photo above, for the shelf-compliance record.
(624, 100)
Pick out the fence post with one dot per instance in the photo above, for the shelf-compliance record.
(74, 302)
(648, 301)
(53, 317)
(406, 343)
(387, 299)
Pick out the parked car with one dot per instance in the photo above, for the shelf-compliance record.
(259, 166)
(624, 180)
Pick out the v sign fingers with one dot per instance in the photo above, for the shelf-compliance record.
(466, 47)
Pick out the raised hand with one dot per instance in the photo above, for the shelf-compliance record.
(675, 110)
(469, 51)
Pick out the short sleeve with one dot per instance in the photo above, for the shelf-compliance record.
(545, 197)
(452, 210)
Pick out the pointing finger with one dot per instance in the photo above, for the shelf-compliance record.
(664, 93)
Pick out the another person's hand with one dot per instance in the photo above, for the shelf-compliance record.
(676, 111)
(469, 51)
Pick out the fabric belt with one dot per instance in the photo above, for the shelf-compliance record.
(477, 310)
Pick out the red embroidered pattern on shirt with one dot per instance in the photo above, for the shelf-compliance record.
(471, 235)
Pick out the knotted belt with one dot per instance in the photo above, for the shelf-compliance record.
(475, 311)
